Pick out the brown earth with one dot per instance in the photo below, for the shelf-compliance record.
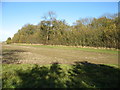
(44, 55)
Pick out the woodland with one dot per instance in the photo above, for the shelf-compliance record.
(92, 32)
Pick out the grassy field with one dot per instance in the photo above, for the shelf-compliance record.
(93, 49)
(35, 66)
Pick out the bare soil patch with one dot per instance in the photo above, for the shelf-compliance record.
(41, 55)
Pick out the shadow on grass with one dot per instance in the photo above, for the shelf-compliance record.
(42, 77)
(9, 56)
(85, 74)
(80, 75)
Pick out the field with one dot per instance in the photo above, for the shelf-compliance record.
(39, 54)
(58, 66)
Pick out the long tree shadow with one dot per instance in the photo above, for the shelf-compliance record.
(85, 74)
(42, 77)
(80, 75)
(10, 56)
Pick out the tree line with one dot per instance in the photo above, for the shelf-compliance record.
(93, 32)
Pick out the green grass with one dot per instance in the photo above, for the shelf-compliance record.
(113, 65)
(74, 48)
(11, 78)
(79, 75)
